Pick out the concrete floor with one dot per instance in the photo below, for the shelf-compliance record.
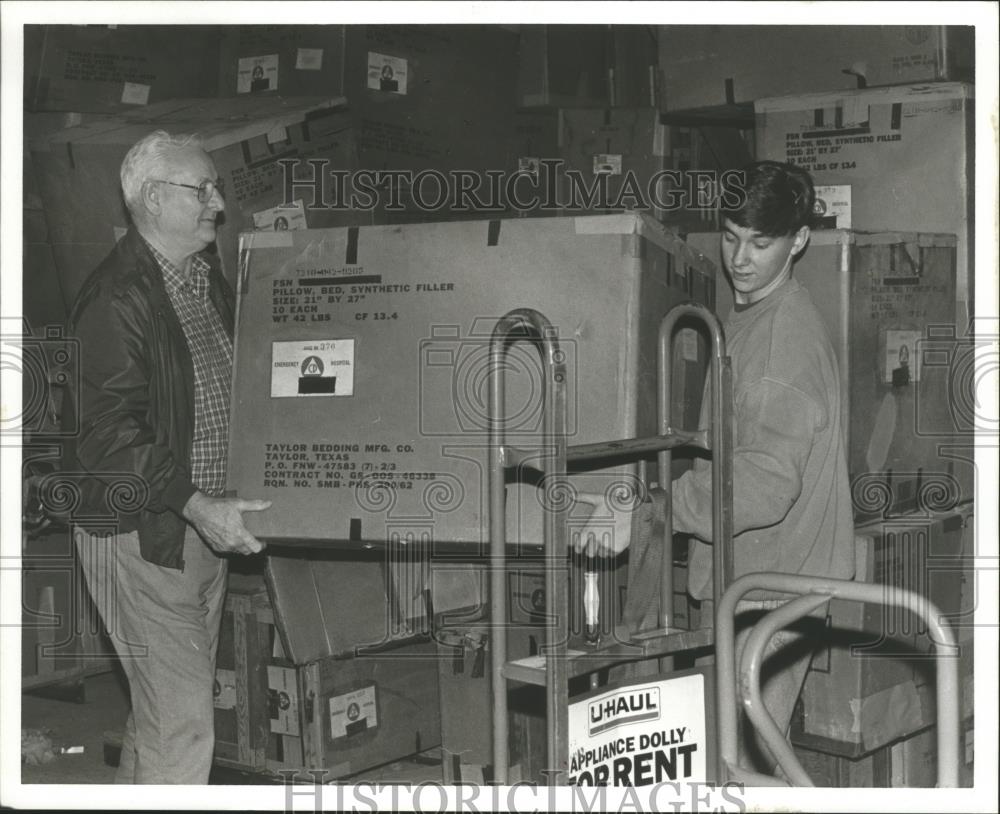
(104, 711)
(73, 724)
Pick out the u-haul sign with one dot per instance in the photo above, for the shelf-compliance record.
(637, 735)
(623, 708)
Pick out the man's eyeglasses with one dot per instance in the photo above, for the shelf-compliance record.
(204, 189)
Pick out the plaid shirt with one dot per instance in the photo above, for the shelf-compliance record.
(212, 355)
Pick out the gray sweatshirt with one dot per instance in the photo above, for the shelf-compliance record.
(791, 497)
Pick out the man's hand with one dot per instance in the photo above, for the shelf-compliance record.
(219, 521)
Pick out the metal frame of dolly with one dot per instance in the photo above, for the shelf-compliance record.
(527, 323)
(814, 592)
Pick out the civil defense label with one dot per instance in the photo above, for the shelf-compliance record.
(312, 368)
(353, 712)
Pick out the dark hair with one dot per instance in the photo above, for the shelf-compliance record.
(778, 199)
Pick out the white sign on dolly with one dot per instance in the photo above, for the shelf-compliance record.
(639, 734)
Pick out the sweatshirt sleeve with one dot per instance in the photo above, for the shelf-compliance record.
(774, 428)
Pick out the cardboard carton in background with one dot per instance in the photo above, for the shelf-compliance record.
(907, 152)
(300, 60)
(710, 65)
(563, 66)
(77, 169)
(110, 68)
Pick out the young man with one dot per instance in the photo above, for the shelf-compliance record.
(154, 323)
(791, 496)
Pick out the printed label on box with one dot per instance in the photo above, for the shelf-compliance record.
(282, 700)
(281, 218)
(607, 164)
(224, 690)
(688, 340)
(901, 358)
(135, 94)
(309, 59)
(832, 209)
(387, 74)
(312, 367)
(257, 74)
(277, 135)
(353, 713)
(529, 165)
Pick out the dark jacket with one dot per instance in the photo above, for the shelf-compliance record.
(135, 400)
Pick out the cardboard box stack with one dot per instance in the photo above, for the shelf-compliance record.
(112, 68)
(906, 152)
(306, 682)
(78, 170)
(711, 65)
(887, 301)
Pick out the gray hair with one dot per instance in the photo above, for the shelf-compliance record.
(149, 158)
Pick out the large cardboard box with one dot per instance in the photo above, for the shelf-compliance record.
(371, 709)
(465, 684)
(564, 66)
(907, 763)
(409, 121)
(874, 680)
(43, 303)
(331, 604)
(464, 646)
(622, 148)
(403, 89)
(907, 153)
(635, 159)
(240, 697)
(285, 60)
(78, 170)
(335, 325)
(709, 65)
(109, 68)
(62, 636)
(887, 302)
(433, 98)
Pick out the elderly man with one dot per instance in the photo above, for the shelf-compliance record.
(155, 322)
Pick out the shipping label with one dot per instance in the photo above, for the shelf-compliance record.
(833, 206)
(312, 368)
(902, 359)
(641, 734)
(386, 73)
(353, 713)
(135, 93)
(309, 59)
(282, 700)
(529, 165)
(607, 164)
(224, 690)
(687, 338)
(257, 74)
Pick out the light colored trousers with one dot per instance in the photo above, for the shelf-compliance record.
(164, 625)
(784, 666)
